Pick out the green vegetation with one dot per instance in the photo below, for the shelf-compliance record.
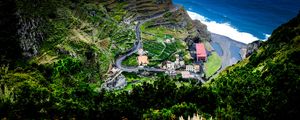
(83, 37)
(86, 31)
(264, 86)
(131, 61)
(154, 48)
(160, 51)
(162, 32)
(154, 42)
(213, 64)
(136, 80)
(168, 51)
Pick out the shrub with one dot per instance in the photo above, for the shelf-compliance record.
(66, 66)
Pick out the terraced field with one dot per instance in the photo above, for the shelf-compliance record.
(168, 51)
(158, 50)
(154, 48)
(145, 8)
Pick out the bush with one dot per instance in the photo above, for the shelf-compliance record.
(66, 66)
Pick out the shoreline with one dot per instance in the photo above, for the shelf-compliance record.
(231, 49)
(224, 29)
(229, 56)
(229, 39)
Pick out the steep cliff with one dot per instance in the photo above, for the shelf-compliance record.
(180, 20)
(266, 84)
(252, 47)
(56, 54)
(45, 32)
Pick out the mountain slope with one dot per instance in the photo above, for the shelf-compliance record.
(56, 55)
(54, 66)
(265, 85)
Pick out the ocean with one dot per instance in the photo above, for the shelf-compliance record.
(242, 20)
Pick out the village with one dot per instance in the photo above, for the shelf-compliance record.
(194, 70)
(173, 68)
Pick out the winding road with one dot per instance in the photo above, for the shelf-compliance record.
(138, 44)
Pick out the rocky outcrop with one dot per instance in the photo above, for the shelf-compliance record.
(30, 35)
(21, 35)
(202, 31)
(252, 47)
(181, 20)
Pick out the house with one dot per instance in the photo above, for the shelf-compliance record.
(196, 68)
(189, 68)
(143, 60)
(170, 65)
(192, 68)
(201, 52)
(115, 70)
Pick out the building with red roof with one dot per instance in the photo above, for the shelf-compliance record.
(201, 52)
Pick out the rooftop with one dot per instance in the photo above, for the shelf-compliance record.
(200, 50)
(143, 59)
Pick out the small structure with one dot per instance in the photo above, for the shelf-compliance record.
(143, 60)
(115, 70)
(201, 52)
(167, 41)
(196, 68)
(189, 68)
(192, 68)
(178, 62)
(181, 63)
(170, 65)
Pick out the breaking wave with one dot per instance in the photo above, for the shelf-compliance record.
(224, 29)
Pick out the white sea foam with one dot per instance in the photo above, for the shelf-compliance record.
(266, 37)
(224, 29)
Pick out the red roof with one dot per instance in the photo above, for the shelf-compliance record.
(200, 50)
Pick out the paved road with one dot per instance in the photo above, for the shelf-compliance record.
(137, 45)
(198, 77)
(133, 50)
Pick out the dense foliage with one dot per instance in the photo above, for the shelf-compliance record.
(266, 85)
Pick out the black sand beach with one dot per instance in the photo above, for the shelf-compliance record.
(228, 49)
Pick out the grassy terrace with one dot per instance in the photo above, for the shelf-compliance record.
(153, 42)
(212, 65)
(135, 80)
(131, 61)
(78, 34)
(159, 50)
(162, 31)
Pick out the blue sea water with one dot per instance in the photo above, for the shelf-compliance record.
(247, 19)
